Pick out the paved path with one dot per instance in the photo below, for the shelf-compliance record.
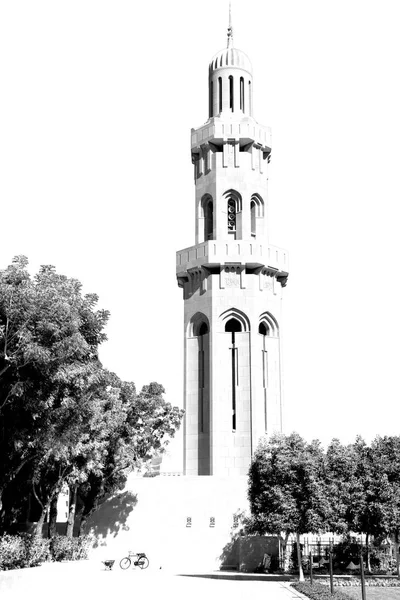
(88, 580)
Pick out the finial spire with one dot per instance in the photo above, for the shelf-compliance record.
(230, 29)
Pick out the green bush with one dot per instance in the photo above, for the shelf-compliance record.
(318, 591)
(18, 551)
(36, 550)
(64, 548)
(12, 552)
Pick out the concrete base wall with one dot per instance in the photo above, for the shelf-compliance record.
(182, 523)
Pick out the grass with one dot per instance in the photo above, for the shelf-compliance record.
(372, 593)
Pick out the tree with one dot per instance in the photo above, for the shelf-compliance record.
(370, 493)
(64, 419)
(340, 474)
(386, 456)
(144, 430)
(49, 332)
(287, 490)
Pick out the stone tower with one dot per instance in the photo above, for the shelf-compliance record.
(232, 281)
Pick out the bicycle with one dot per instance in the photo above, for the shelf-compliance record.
(141, 560)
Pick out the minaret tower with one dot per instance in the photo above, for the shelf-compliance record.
(232, 281)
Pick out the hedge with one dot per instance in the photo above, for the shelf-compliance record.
(26, 550)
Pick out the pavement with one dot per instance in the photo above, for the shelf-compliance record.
(89, 579)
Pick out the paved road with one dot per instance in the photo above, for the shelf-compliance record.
(89, 580)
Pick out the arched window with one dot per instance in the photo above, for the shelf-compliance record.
(219, 94)
(253, 218)
(268, 325)
(231, 215)
(233, 207)
(206, 213)
(231, 106)
(203, 329)
(242, 94)
(234, 326)
(256, 212)
(208, 221)
(211, 100)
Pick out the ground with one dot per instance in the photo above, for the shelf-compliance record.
(88, 579)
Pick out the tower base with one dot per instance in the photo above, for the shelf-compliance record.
(184, 524)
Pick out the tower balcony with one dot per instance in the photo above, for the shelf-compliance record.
(215, 253)
(244, 131)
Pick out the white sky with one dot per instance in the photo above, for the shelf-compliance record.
(97, 99)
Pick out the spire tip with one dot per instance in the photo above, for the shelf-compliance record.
(230, 28)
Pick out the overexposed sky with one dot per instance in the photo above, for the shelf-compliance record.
(97, 99)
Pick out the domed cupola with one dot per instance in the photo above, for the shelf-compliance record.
(230, 81)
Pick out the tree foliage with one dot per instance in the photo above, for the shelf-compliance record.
(297, 488)
(287, 490)
(64, 419)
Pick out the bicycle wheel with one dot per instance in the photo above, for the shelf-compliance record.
(125, 563)
(143, 562)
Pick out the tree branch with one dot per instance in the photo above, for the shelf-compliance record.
(36, 496)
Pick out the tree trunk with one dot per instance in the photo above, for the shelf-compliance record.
(73, 492)
(53, 517)
(368, 553)
(301, 574)
(396, 541)
(39, 525)
(285, 553)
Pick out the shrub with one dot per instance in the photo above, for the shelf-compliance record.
(18, 551)
(318, 591)
(64, 548)
(12, 552)
(36, 550)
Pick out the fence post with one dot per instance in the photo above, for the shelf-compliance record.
(363, 593)
(331, 568)
(311, 571)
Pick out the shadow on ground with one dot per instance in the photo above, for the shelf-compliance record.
(112, 516)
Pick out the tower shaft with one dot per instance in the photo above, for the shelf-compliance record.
(232, 281)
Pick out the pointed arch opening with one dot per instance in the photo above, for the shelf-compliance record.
(233, 210)
(234, 322)
(207, 214)
(268, 325)
(198, 385)
(231, 98)
(256, 215)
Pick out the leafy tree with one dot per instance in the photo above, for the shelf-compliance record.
(64, 419)
(49, 334)
(144, 430)
(386, 456)
(370, 493)
(340, 474)
(287, 490)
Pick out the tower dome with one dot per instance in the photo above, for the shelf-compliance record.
(230, 57)
(230, 79)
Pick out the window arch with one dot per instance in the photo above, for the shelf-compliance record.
(231, 104)
(233, 207)
(198, 325)
(219, 94)
(233, 325)
(207, 213)
(256, 212)
(268, 325)
(237, 315)
(242, 94)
